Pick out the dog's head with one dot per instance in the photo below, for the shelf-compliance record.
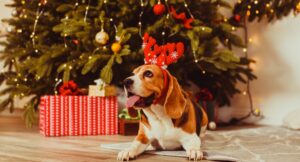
(148, 85)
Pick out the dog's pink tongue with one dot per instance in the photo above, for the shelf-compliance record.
(132, 100)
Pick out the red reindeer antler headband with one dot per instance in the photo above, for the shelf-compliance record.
(163, 55)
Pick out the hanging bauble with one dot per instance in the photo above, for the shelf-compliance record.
(75, 41)
(159, 9)
(237, 18)
(116, 47)
(101, 37)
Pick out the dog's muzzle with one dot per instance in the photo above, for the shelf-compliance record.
(128, 83)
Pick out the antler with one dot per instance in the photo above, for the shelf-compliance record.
(161, 55)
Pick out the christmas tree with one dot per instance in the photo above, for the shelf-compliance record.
(271, 9)
(82, 40)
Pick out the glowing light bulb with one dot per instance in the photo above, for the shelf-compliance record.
(257, 112)
(248, 13)
(250, 40)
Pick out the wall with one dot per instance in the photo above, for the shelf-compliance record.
(5, 12)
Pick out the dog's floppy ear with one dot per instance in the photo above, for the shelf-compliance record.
(132, 112)
(174, 102)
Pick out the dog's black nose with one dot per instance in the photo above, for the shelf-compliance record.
(128, 82)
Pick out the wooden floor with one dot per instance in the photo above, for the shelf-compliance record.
(18, 143)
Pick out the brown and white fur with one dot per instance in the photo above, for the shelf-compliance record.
(168, 125)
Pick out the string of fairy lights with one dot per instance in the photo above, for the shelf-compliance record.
(140, 18)
(39, 12)
(268, 7)
(253, 111)
(247, 92)
(87, 10)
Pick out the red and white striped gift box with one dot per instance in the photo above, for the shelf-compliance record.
(78, 115)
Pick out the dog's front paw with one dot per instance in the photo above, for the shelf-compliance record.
(194, 154)
(126, 155)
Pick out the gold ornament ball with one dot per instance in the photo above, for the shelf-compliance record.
(101, 37)
(116, 47)
(298, 7)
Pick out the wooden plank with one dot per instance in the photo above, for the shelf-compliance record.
(18, 143)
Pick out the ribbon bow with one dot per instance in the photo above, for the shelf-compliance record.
(69, 88)
(182, 17)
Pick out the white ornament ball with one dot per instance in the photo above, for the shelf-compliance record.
(212, 125)
(101, 37)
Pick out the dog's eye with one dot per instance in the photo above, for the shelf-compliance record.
(148, 74)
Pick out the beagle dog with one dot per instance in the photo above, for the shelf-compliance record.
(170, 119)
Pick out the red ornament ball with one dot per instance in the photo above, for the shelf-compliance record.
(237, 18)
(75, 41)
(159, 9)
